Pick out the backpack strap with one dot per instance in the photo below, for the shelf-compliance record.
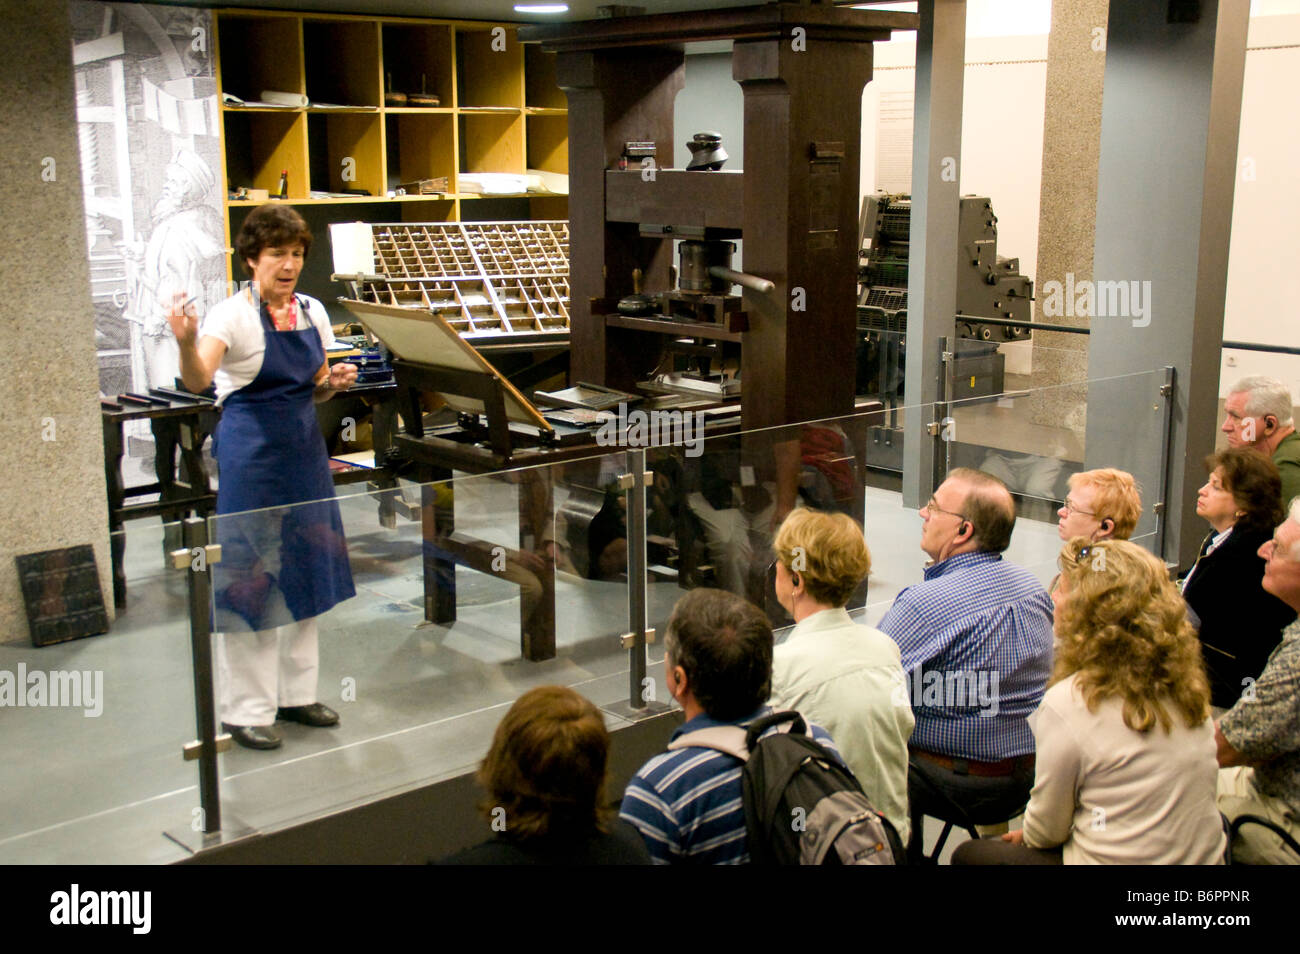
(737, 741)
(796, 725)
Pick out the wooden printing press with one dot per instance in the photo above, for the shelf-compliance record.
(689, 339)
(785, 347)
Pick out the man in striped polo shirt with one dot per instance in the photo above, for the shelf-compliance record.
(687, 803)
(976, 644)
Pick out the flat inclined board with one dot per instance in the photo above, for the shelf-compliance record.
(424, 338)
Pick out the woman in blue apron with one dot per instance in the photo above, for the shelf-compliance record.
(284, 557)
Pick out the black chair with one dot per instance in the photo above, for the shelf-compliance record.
(1242, 820)
(951, 814)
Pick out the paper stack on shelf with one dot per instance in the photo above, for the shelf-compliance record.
(554, 183)
(493, 183)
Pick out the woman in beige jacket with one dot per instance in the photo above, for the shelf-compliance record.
(1126, 768)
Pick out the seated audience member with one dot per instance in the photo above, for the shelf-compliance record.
(1259, 739)
(837, 673)
(1102, 504)
(1259, 416)
(545, 782)
(1240, 502)
(687, 802)
(976, 644)
(1125, 771)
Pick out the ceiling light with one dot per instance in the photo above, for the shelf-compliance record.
(541, 8)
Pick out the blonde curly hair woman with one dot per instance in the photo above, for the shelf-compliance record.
(1126, 767)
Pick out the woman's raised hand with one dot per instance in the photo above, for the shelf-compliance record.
(183, 318)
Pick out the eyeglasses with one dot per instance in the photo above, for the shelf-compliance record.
(933, 507)
(1070, 508)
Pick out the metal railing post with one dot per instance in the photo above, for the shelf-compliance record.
(1161, 508)
(641, 701)
(196, 559)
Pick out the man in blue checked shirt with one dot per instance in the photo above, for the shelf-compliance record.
(687, 803)
(976, 644)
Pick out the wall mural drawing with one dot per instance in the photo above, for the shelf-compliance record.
(151, 168)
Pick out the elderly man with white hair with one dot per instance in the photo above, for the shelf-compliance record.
(1258, 415)
(1259, 738)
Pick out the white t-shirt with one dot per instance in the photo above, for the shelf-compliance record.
(237, 323)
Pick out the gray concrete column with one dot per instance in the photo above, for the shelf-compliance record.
(1169, 131)
(1076, 66)
(52, 483)
(932, 266)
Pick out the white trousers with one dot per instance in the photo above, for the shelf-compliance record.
(259, 671)
(730, 535)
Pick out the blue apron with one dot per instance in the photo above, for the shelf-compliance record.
(271, 454)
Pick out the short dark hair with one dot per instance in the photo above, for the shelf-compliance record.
(1255, 484)
(724, 645)
(989, 507)
(271, 226)
(546, 766)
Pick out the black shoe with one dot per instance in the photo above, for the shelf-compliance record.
(314, 715)
(253, 736)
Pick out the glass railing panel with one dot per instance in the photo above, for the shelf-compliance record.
(420, 677)
(91, 767)
(420, 688)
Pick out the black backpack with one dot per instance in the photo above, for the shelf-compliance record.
(802, 806)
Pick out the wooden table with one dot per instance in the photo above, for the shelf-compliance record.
(180, 425)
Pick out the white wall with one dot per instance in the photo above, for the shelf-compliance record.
(1002, 145)
(1263, 272)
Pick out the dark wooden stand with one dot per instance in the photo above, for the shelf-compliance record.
(480, 450)
(181, 425)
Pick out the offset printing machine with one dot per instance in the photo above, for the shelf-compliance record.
(988, 286)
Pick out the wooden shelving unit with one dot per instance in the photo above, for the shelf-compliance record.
(500, 110)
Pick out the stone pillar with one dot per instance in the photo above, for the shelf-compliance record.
(52, 483)
(1076, 66)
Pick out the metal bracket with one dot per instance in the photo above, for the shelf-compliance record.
(946, 356)
(628, 640)
(628, 481)
(1166, 389)
(934, 428)
(194, 750)
(1158, 509)
(183, 559)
